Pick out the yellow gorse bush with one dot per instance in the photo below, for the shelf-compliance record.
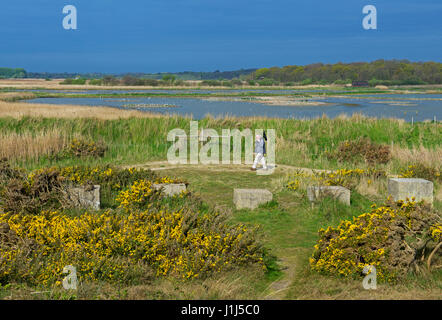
(436, 232)
(293, 185)
(82, 175)
(111, 246)
(137, 194)
(373, 238)
(100, 174)
(78, 174)
(141, 191)
(81, 147)
(420, 170)
(149, 238)
(340, 177)
(166, 180)
(408, 172)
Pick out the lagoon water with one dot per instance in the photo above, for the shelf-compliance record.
(407, 107)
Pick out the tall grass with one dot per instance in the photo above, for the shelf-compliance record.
(27, 145)
(9, 108)
(420, 154)
(15, 96)
(299, 142)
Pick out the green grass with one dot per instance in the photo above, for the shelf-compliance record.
(288, 225)
(288, 221)
(138, 140)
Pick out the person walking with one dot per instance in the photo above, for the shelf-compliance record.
(260, 150)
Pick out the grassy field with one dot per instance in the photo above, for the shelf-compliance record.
(299, 143)
(38, 136)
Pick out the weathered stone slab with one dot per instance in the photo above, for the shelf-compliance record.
(317, 193)
(251, 198)
(403, 188)
(170, 189)
(85, 197)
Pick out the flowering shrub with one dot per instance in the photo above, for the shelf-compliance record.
(84, 148)
(436, 232)
(387, 237)
(115, 177)
(293, 185)
(113, 247)
(421, 171)
(171, 237)
(342, 177)
(362, 149)
(43, 189)
(167, 179)
(105, 175)
(137, 195)
(141, 193)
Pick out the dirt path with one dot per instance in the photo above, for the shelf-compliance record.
(277, 290)
(165, 165)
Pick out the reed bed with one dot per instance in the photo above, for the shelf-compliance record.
(14, 96)
(21, 109)
(420, 154)
(28, 145)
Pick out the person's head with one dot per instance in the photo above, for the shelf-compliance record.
(258, 137)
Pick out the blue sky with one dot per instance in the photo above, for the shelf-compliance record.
(207, 35)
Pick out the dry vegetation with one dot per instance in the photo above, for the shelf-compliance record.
(13, 96)
(427, 157)
(26, 145)
(22, 109)
(56, 84)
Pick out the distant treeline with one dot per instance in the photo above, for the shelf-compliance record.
(166, 80)
(187, 75)
(12, 73)
(190, 75)
(63, 75)
(387, 72)
(393, 72)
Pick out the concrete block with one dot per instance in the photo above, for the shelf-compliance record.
(403, 188)
(85, 197)
(251, 198)
(170, 189)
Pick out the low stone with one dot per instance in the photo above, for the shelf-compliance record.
(87, 197)
(170, 189)
(403, 188)
(251, 198)
(317, 193)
